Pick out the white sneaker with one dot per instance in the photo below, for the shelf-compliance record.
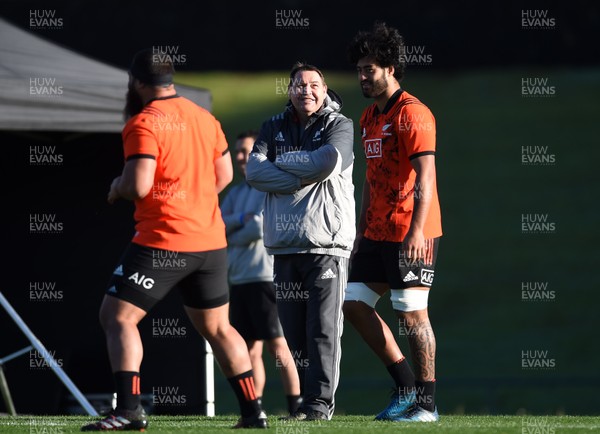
(419, 414)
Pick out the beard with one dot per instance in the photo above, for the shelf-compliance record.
(133, 104)
(376, 88)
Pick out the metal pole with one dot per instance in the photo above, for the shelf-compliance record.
(209, 379)
(15, 355)
(48, 357)
(10, 406)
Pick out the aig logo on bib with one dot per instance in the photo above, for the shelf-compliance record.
(142, 280)
(427, 277)
(373, 148)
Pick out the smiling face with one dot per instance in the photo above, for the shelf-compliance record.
(307, 93)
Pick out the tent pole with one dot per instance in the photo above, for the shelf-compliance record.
(48, 357)
(10, 406)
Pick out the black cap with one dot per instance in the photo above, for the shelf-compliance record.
(151, 68)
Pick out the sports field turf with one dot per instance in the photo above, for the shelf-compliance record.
(340, 425)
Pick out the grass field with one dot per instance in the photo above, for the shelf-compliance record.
(339, 425)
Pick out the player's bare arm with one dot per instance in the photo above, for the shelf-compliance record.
(223, 171)
(135, 182)
(414, 242)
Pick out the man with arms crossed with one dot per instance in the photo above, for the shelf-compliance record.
(176, 162)
(252, 309)
(303, 159)
(400, 224)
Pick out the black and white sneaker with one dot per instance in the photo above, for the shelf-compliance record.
(255, 421)
(120, 420)
(307, 415)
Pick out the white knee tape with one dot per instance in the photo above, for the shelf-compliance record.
(407, 300)
(357, 291)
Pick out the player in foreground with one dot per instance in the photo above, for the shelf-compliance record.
(176, 162)
(400, 224)
(253, 310)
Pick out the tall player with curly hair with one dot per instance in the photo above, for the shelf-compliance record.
(400, 224)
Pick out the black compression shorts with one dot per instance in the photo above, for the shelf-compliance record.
(145, 275)
(385, 262)
(253, 311)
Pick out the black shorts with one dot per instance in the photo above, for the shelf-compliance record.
(253, 311)
(145, 275)
(385, 262)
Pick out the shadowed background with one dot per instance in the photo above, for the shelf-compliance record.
(483, 323)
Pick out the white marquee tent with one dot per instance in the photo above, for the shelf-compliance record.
(45, 87)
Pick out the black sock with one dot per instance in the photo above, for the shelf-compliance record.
(403, 376)
(426, 394)
(128, 390)
(293, 402)
(243, 386)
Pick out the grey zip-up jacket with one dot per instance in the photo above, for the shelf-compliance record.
(246, 253)
(315, 218)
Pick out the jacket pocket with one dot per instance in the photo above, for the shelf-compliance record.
(324, 217)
